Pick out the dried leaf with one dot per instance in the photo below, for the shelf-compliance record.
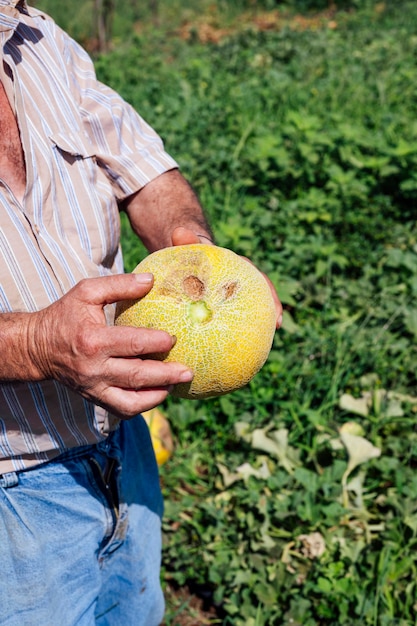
(360, 450)
(246, 470)
(243, 472)
(275, 443)
(356, 487)
(352, 428)
(228, 477)
(313, 545)
(358, 406)
(242, 431)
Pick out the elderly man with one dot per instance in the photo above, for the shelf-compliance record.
(80, 504)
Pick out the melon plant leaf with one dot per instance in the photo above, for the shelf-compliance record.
(359, 450)
(243, 472)
(275, 443)
(410, 320)
(289, 324)
(358, 406)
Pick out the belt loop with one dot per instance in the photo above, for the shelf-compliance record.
(11, 479)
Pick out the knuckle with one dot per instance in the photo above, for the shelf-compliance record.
(137, 344)
(87, 343)
(146, 341)
(135, 379)
(147, 375)
(83, 287)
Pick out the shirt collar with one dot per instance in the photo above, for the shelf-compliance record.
(10, 14)
(13, 3)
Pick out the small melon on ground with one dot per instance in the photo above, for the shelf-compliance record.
(217, 304)
(161, 435)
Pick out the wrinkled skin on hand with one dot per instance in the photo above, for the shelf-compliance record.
(71, 342)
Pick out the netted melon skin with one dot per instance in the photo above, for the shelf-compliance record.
(220, 308)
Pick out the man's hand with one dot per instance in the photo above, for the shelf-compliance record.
(69, 341)
(183, 236)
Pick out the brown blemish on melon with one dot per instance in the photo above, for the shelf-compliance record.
(193, 287)
(229, 290)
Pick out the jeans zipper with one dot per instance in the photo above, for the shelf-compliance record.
(106, 480)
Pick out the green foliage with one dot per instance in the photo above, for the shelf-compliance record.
(303, 148)
(302, 145)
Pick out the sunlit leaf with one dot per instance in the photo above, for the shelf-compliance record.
(359, 406)
(275, 443)
(352, 428)
(359, 450)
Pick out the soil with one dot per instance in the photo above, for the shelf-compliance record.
(188, 609)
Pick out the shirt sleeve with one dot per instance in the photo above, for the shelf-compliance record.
(128, 150)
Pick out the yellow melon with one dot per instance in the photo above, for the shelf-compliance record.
(161, 436)
(217, 304)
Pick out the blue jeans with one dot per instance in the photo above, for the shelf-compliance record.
(80, 537)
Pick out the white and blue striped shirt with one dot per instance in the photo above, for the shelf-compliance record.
(85, 151)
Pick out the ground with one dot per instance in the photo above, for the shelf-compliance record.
(187, 609)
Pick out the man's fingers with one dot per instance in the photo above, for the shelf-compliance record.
(184, 236)
(126, 403)
(137, 374)
(109, 289)
(127, 341)
(130, 386)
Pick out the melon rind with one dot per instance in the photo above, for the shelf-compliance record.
(225, 348)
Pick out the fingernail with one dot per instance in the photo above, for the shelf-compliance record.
(186, 376)
(174, 340)
(279, 322)
(144, 278)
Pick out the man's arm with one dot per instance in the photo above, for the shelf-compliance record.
(70, 342)
(165, 204)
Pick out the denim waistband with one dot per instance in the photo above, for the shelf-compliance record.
(110, 447)
(10, 479)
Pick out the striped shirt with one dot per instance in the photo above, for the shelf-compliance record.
(85, 150)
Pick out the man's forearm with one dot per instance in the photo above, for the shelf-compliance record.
(162, 205)
(16, 345)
